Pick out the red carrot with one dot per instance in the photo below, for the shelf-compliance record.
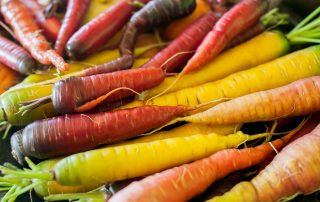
(155, 13)
(75, 12)
(50, 25)
(185, 43)
(237, 19)
(95, 34)
(80, 132)
(28, 33)
(16, 57)
(184, 182)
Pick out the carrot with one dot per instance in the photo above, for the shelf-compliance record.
(237, 19)
(50, 25)
(59, 136)
(300, 64)
(27, 32)
(110, 161)
(7, 78)
(84, 42)
(176, 28)
(270, 45)
(298, 171)
(184, 182)
(185, 43)
(155, 13)
(71, 22)
(15, 57)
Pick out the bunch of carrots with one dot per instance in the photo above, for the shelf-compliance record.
(159, 100)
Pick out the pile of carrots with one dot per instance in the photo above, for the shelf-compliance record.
(159, 100)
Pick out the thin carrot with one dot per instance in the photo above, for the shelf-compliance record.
(186, 43)
(184, 182)
(27, 32)
(290, 173)
(50, 25)
(79, 132)
(16, 57)
(237, 19)
(75, 12)
(84, 41)
(7, 78)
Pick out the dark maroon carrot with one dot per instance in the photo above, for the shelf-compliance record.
(237, 19)
(50, 25)
(97, 32)
(16, 57)
(79, 94)
(187, 42)
(29, 35)
(155, 13)
(71, 22)
(80, 132)
(55, 6)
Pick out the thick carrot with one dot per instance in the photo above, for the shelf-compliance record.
(176, 28)
(16, 57)
(185, 43)
(110, 161)
(184, 182)
(237, 19)
(7, 78)
(290, 173)
(300, 64)
(271, 45)
(84, 42)
(50, 25)
(27, 32)
(155, 13)
(71, 22)
(80, 132)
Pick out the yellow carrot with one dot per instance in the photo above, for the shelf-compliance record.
(261, 49)
(284, 70)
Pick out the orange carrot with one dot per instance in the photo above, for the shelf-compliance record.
(28, 33)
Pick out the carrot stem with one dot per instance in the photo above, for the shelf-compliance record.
(307, 19)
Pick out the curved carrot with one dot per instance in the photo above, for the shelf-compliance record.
(185, 44)
(293, 171)
(16, 57)
(154, 13)
(80, 132)
(95, 34)
(71, 22)
(27, 32)
(237, 19)
(50, 25)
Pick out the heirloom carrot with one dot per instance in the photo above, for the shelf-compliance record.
(293, 171)
(27, 32)
(7, 78)
(75, 12)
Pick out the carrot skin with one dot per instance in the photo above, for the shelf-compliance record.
(237, 19)
(187, 41)
(155, 13)
(184, 182)
(16, 57)
(80, 132)
(95, 34)
(70, 93)
(75, 12)
(301, 97)
(28, 34)
(50, 25)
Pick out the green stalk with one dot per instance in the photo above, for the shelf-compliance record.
(307, 19)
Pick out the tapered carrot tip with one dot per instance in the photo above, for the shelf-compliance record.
(57, 60)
